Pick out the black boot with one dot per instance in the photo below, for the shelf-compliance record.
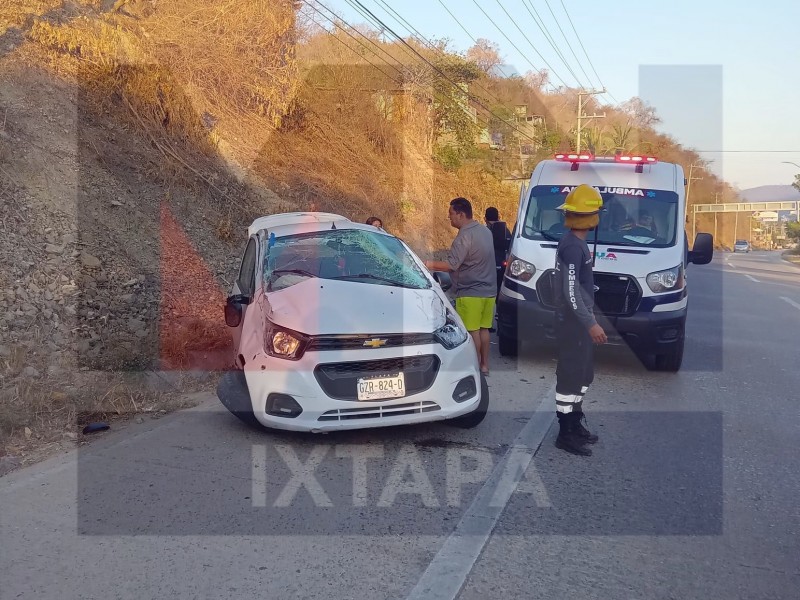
(568, 438)
(587, 436)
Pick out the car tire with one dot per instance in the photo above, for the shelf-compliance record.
(507, 346)
(670, 362)
(474, 418)
(232, 391)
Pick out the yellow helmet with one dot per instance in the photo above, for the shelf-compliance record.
(583, 200)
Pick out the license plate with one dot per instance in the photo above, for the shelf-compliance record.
(380, 388)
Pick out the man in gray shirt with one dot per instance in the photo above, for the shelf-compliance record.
(471, 261)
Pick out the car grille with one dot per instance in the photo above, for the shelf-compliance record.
(397, 410)
(355, 342)
(618, 296)
(339, 380)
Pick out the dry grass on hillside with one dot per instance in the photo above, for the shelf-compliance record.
(338, 153)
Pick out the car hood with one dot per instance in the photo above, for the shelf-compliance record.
(327, 307)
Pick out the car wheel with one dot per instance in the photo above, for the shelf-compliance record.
(474, 418)
(232, 391)
(507, 346)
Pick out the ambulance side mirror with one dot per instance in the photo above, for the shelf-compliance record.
(703, 249)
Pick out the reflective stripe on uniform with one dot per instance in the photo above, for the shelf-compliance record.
(566, 402)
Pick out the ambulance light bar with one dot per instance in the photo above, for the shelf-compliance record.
(575, 157)
(635, 159)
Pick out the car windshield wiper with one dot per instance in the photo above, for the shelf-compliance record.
(291, 272)
(549, 236)
(371, 276)
(278, 272)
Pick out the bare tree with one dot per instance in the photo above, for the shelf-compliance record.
(486, 54)
(640, 113)
(537, 79)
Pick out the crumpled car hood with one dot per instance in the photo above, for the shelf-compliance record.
(326, 307)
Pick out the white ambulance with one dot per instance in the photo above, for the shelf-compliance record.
(640, 249)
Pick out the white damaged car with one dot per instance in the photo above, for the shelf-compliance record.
(338, 325)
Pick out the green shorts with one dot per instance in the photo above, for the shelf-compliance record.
(477, 313)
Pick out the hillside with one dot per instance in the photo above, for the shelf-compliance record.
(771, 193)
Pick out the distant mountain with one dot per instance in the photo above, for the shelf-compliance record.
(766, 193)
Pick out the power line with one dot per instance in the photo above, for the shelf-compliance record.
(444, 6)
(591, 64)
(550, 40)
(400, 83)
(409, 27)
(439, 71)
(525, 56)
(566, 39)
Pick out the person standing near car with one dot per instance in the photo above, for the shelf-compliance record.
(501, 237)
(576, 327)
(472, 264)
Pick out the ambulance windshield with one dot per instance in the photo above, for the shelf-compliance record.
(630, 216)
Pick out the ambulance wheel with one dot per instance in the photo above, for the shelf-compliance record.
(474, 418)
(670, 362)
(507, 346)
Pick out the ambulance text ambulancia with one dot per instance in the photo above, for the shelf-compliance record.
(641, 252)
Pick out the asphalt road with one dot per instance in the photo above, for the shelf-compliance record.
(691, 492)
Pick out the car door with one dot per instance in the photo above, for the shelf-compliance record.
(244, 290)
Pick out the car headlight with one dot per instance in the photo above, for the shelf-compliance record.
(283, 343)
(520, 269)
(667, 280)
(451, 334)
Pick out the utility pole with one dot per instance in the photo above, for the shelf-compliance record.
(582, 117)
(689, 186)
(716, 199)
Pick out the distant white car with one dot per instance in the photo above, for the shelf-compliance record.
(338, 325)
(741, 246)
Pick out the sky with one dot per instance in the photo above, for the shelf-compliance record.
(722, 74)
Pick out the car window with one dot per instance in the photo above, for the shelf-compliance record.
(351, 255)
(247, 271)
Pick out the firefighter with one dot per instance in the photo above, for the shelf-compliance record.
(577, 329)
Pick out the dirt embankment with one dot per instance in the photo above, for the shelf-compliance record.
(122, 226)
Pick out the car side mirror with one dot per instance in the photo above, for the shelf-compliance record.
(443, 279)
(703, 249)
(233, 309)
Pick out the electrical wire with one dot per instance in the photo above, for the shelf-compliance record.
(514, 21)
(578, 37)
(439, 71)
(410, 28)
(444, 6)
(400, 83)
(525, 56)
(575, 56)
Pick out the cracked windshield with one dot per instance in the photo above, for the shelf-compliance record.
(351, 255)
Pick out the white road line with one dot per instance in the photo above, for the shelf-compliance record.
(751, 278)
(451, 566)
(731, 265)
(790, 301)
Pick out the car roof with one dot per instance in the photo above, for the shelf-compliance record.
(270, 222)
(287, 224)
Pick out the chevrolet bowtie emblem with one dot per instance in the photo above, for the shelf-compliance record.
(374, 343)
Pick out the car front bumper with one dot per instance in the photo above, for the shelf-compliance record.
(321, 412)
